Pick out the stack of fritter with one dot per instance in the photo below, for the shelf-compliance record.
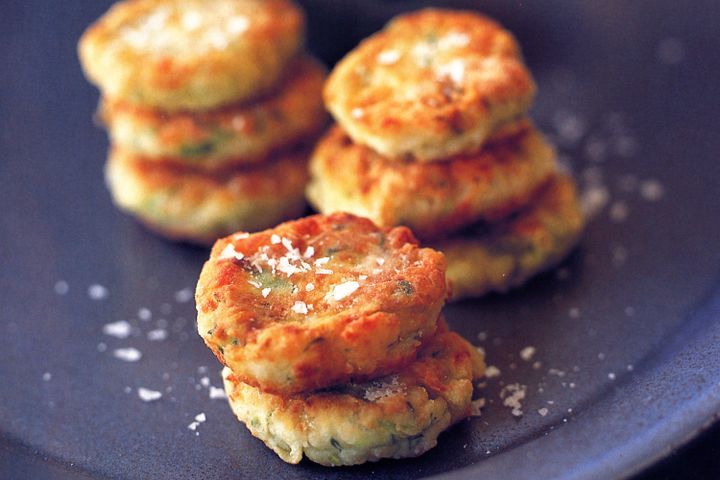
(330, 331)
(433, 134)
(210, 108)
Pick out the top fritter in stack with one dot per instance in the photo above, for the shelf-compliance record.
(210, 107)
(433, 134)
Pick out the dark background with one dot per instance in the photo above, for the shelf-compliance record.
(590, 59)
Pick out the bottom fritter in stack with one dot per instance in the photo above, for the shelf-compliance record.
(332, 339)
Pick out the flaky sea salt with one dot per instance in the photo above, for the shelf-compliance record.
(119, 329)
(147, 395)
(527, 353)
(512, 396)
(492, 371)
(343, 290)
(216, 393)
(184, 295)
(129, 354)
(157, 335)
(97, 292)
(299, 307)
(61, 287)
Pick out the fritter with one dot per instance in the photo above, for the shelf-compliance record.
(504, 255)
(432, 199)
(235, 134)
(199, 207)
(318, 301)
(188, 54)
(397, 416)
(431, 85)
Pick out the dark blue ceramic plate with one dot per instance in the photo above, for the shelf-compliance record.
(626, 334)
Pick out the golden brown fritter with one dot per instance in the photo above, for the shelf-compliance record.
(235, 134)
(199, 207)
(397, 416)
(318, 301)
(185, 54)
(503, 255)
(431, 85)
(432, 199)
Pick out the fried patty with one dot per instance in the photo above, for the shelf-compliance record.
(397, 416)
(503, 255)
(199, 207)
(318, 301)
(189, 54)
(235, 134)
(431, 85)
(433, 199)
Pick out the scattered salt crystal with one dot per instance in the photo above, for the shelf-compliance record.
(536, 365)
(611, 376)
(512, 396)
(482, 336)
(147, 395)
(593, 199)
(309, 287)
(362, 277)
(129, 354)
(476, 406)
(229, 252)
(184, 295)
(357, 112)
(455, 69)
(265, 292)
(309, 252)
(543, 411)
(344, 289)
(216, 393)
(101, 347)
(556, 372)
(601, 356)
(651, 190)
(205, 382)
(380, 261)
(388, 57)
(127, 389)
(97, 292)
(299, 307)
(144, 314)
(157, 335)
(47, 376)
(527, 353)
(569, 126)
(254, 283)
(492, 371)
(481, 350)
(193, 426)
(119, 329)
(200, 417)
(618, 211)
(572, 385)
(202, 369)
(630, 367)
(61, 287)
(670, 51)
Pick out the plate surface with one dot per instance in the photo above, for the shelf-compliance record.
(626, 333)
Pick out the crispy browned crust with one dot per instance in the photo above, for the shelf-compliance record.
(237, 134)
(396, 291)
(144, 52)
(505, 254)
(392, 417)
(432, 84)
(433, 199)
(186, 204)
